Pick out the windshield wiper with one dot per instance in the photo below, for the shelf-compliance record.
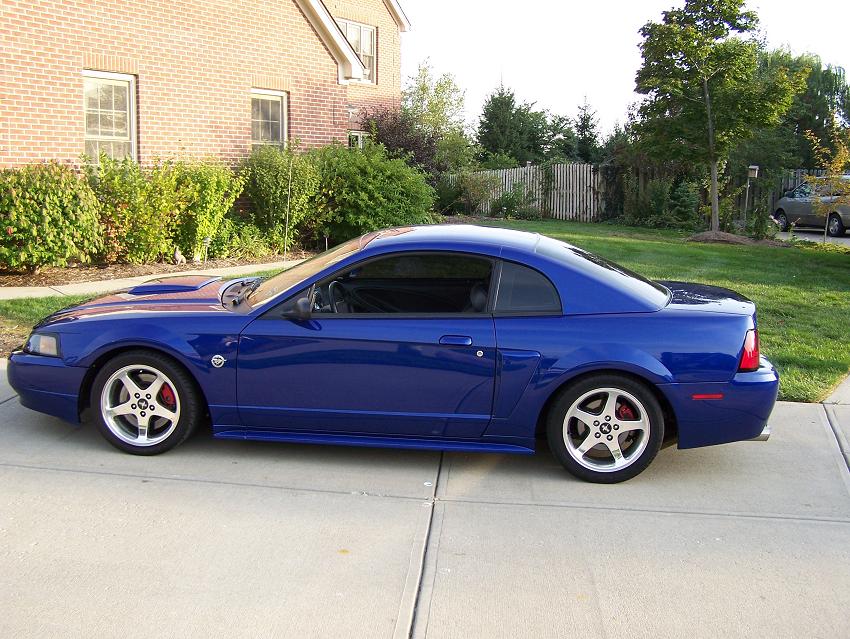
(246, 291)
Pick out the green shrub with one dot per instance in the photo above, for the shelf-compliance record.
(476, 188)
(516, 203)
(684, 206)
(364, 190)
(207, 191)
(268, 187)
(49, 217)
(448, 194)
(139, 208)
(239, 239)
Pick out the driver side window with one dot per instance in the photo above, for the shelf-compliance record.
(410, 284)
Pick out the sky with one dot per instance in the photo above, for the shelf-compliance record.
(556, 53)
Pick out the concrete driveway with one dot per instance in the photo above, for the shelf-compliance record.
(242, 539)
(815, 235)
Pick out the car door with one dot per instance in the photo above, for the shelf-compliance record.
(800, 206)
(403, 345)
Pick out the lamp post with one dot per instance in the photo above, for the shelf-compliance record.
(752, 174)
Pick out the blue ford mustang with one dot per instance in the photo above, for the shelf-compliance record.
(441, 337)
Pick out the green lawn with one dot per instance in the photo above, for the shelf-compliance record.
(803, 296)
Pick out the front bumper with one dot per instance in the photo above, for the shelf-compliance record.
(46, 384)
(723, 412)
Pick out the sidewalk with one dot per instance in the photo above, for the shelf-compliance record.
(105, 286)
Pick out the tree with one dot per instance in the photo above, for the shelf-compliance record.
(703, 91)
(510, 129)
(823, 102)
(436, 103)
(562, 143)
(404, 137)
(587, 134)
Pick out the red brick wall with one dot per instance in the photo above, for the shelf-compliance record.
(195, 62)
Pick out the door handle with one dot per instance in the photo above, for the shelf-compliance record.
(456, 340)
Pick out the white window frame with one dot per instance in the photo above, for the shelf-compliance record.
(343, 25)
(360, 136)
(131, 107)
(284, 124)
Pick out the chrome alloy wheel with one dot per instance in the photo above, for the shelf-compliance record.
(606, 429)
(139, 405)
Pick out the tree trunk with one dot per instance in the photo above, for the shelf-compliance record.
(712, 159)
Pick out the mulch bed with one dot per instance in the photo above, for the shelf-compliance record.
(719, 237)
(54, 276)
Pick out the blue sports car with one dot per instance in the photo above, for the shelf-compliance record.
(440, 337)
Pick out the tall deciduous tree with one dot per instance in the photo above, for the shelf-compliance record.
(435, 102)
(703, 91)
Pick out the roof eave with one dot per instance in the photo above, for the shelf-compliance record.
(398, 15)
(350, 65)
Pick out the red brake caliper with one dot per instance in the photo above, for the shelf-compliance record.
(625, 412)
(168, 396)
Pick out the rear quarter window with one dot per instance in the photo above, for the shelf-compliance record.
(525, 290)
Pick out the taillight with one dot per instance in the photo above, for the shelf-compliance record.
(750, 356)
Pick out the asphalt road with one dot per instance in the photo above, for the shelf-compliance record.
(244, 539)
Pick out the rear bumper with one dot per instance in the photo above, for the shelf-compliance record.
(764, 436)
(46, 384)
(723, 412)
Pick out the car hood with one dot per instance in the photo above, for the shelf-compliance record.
(705, 298)
(182, 294)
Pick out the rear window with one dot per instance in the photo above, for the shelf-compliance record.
(612, 274)
(524, 290)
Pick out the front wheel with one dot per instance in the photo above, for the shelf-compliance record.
(606, 429)
(782, 221)
(835, 227)
(145, 403)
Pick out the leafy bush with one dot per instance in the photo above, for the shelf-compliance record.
(364, 190)
(476, 189)
(268, 187)
(207, 191)
(517, 203)
(403, 137)
(448, 195)
(139, 208)
(239, 238)
(49, 217)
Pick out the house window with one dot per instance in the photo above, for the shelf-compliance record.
(357, 139)
(362, 40)
(269, 120)
(109, 103)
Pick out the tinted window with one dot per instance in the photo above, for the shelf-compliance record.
(436, 283)
(522, 289)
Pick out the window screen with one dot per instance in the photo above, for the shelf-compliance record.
(522, 289)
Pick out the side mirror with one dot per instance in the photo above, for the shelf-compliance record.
(301, 310)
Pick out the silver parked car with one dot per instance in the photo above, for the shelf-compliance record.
(797, 207)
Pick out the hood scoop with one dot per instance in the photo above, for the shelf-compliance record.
(179, 284)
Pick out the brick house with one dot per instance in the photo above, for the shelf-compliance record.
(207, 78)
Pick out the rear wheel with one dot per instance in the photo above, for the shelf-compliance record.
(606, 429)
(782, 221)
(145, 403)
(835, 227)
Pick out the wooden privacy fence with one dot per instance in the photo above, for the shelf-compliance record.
(561, 191)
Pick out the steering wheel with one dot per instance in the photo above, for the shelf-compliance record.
(333, 297)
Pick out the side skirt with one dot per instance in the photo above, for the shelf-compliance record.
(414, 443)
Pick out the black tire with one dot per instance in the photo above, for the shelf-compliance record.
(184, 400)
(835, 226)
(782, 220)
(644, 446)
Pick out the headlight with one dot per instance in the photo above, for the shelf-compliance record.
(43, 344)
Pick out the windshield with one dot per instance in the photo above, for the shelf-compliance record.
(304, 270)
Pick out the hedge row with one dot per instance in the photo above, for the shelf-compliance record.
(119, 211)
